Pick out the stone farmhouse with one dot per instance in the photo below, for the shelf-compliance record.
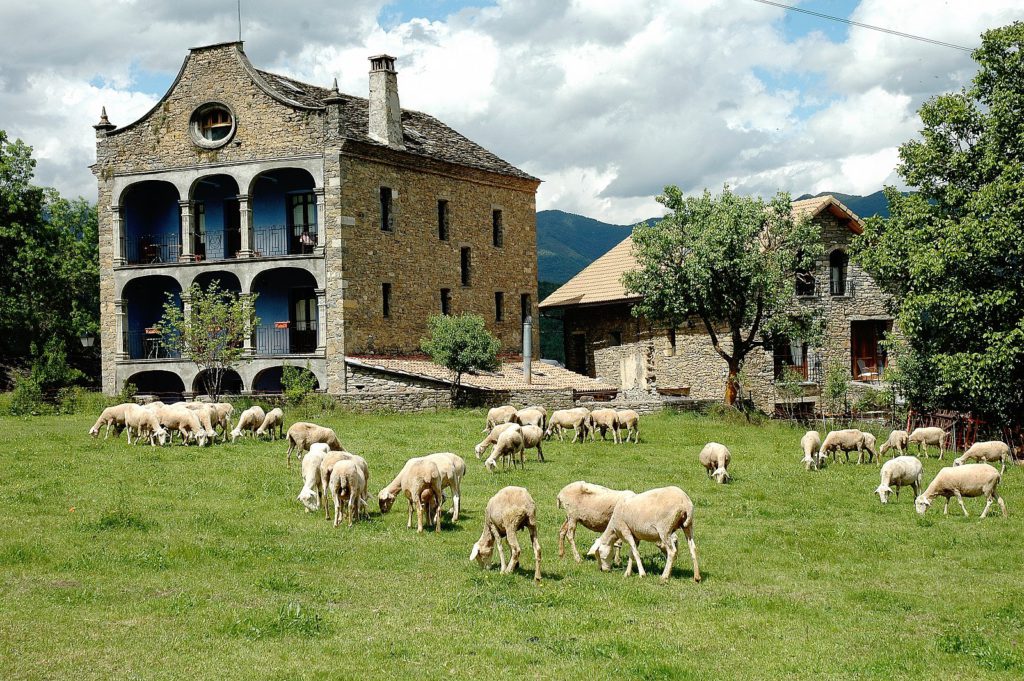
(603, 339)
(350, 220)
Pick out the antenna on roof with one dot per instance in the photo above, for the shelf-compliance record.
(239, 20)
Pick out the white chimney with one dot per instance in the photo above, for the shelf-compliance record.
(385, 111)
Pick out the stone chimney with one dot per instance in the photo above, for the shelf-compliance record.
(385, 111)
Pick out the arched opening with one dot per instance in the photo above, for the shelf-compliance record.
(269, 380)
(166, 385)
(226, 281)
(216, 218)
(230, 384)
(284, 219)
(152, 223)
(837, 264)
(144, 300)
(286, 305)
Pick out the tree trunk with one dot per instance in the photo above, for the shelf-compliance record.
(732, 384)
(455, 387)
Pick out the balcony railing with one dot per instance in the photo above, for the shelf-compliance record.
(143, 345)
(273, 240)
(286, 338)
(149, 248)
(268, 241)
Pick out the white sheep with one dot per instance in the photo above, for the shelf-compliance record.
(969, 480)
(533, 438)
(309, 495)
(577, 419)
(143, 423)
(871, 447)
(452, 468)
(654, 516)
(897, 441)
(183, 421)
(530, 417)
(544, 413)
(248, 421)
(492, 437)
(507, 512)
(810, 445)
(928, 436)
(604, 420)
(273, 424)
(111, 417)
(331, 457)
(628, 420)
(715, 459)
(844, 441)
(223, 412)
(589, 505)
(302, 435)
(418, 476)
(499, 415)
(348, 487)
(509, 443)
(206, 414)
(986, 452)
(897, 472)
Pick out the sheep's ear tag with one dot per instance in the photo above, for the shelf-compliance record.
(475, 551)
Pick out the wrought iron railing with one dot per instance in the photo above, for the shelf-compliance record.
(286, 338)
(270, 240)
(143, 345)
(152, 248)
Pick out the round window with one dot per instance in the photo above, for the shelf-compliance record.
(212, 125)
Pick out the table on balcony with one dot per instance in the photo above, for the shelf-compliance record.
(151, 344)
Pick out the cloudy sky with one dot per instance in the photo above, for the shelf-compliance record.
(606, 100)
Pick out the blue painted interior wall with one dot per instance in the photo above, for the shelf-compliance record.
(273, 305)
(269, 206)
(146, 298)
(151, 209)
(212, 193)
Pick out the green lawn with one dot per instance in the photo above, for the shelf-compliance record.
(119, 562)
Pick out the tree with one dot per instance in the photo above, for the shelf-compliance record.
(461, 343)
(951, 254)
(213, 333)
(732, 261)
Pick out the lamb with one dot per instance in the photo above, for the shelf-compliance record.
(900, 471)
(144, 423)
(897, 441)
(492, 437)
(653, 516)
(715, 458)
(985, 452)
(630, 420)
(302, 434)
(969, 480)
(183, 421)
(418, 476)
(499, 415)
(309, 495)
(929, 436)
(509, 444)
(327, 465)
(111, 417)
(844, 441)
(533, 436)
(531, 416)
(578, 419)
(348, 486)
(604, 420)
(587, 504)
(273, 424)
(249, 420)
(810, 444)
(507, 512)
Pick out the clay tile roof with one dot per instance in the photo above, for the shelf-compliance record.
(601, 280)
(508, 377)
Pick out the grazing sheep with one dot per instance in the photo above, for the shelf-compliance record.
(969, 480)
(870, 446)
(652, 516)
(589, 505)
(452, 468)
(223, 412)
(207, 416)
(183, 421)
(897, 441)
(302, 435)
(111, 417)
(492, 437)
(810, 445)
(928, 436)
(509, 444)
(844, 441)
(418, 475)
(499, 415)
(348, 487)
(249, 420)
(533, 436)
(604, 420)
(507, 512)
(309, 495)
(986, 452)
(530, 417)
(900, 471)
(715, 458)
(629, 420)
(273, 424)
(330, 458)
(544, 413)
(577, 419)
(143, 423)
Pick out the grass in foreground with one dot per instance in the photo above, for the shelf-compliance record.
(133, 562)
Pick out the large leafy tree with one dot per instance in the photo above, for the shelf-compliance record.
(952, 253)
(461, 343)
(730, 260)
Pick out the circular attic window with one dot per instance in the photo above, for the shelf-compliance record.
(212, 125)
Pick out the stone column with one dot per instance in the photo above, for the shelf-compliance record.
(186, 306)
(321, 321)
(118, 235)
(187, 234)
(245, 225)
(247, 344)
(120, 313)
(321, 229)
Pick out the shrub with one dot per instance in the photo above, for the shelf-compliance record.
(27, 397)
(297, 383)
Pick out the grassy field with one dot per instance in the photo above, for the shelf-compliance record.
(119, 562)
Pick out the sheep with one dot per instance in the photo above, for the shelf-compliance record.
(928, 436)
(507, 512)
(533, 436)
(144, 423)
(309, 495)
(509, 444)
(900, 471)
(499, 415)
(844, 441)
(183, 421)
(249, 420)
(111, 417)
(578, 419)
(870, 445)
(273, 424)
(604, 420)
(348, 486)
(630, 420)
(897, 441)
(418, 475)
(530, 416)
(452, 468)
(969, 480)
(302, 434)
(985, 452)
(544, 412)
(492, 437)
(587, 504)
(207, 416)
(810, 444)
(654, 516)
(715, 458)
(223, 412)
(330, 458)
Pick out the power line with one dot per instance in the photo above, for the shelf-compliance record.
(860, 25)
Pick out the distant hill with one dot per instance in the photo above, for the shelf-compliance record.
(864, 206)
(567, 243)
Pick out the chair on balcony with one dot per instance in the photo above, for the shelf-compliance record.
(866, 373)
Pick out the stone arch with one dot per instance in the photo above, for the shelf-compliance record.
(216, 216)
(226, 280)
(287, 306)
(143, 299)
(231, 384)
(269, 380)
(150, 222)
(167, 385)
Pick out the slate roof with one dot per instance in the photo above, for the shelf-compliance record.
(508, 377)
(600, 282)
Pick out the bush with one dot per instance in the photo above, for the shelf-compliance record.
(69, 399)
(297, 383)
(27, 398)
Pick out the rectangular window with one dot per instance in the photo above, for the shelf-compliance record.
(387, 216)
(614, 338)
(791, 355)
(442, 220)
(525, 307)
(446, 301)
(499, 306)
(302, 218)
(497, 229)
(465, 265)
(199, 243)
(385, 297)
